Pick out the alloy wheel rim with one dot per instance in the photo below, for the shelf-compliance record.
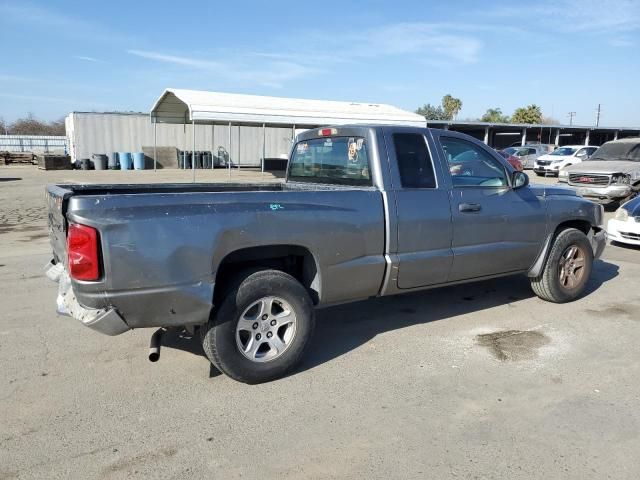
(571, 267)
(266, 329)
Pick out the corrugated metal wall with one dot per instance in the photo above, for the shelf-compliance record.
(32, 143)
(92, 133)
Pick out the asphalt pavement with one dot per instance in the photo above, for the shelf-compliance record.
(481, 380)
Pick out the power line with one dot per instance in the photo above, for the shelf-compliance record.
(571, 115)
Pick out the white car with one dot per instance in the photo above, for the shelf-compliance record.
(625, 226)
(561, 157)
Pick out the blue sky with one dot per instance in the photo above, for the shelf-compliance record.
(564, 55)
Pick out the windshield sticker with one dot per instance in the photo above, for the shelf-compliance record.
(276, 206)
(352, 151)
(302, 147)
(359, 143)
(327, 142)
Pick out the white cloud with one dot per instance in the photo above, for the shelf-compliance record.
(88, 59)
(589, 16)
(429, 40)
(177, 60)
(68, 26)
(270, 73)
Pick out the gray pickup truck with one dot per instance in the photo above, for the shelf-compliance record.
(365, 211)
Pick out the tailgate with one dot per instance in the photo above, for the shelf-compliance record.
(57, 198)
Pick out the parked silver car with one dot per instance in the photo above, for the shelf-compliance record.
(527, 154)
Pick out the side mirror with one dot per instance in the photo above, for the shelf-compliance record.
(519, 180)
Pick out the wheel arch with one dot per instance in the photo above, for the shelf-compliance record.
(296, 260)
(578, 223)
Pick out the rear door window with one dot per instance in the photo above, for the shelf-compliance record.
(331, 160)
(414, 161)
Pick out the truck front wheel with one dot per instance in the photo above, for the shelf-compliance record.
(567, 270)
(262, 327)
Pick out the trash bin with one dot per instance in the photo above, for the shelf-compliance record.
(138, 161)
(186, 160)
(113, 161)
(99, 161)
(125, 160)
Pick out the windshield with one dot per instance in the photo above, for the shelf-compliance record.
(565, 151)
(333, 160)
(626, 151)
(510, 150)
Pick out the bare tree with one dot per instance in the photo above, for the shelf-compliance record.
(30, 125)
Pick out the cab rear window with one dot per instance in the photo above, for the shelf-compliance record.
(332, 160)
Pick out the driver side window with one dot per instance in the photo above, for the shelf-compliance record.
(471, 166)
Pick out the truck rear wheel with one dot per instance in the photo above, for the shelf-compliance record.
(262, 327)
(567, 270)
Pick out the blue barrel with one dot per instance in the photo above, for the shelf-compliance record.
(125, 160)
(113, 161)
(138, 161)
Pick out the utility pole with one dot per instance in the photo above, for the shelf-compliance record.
(571, 115)
(598, 116)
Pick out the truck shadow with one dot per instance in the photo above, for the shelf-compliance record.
(344, 328)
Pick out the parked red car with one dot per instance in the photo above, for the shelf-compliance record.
(515, 163)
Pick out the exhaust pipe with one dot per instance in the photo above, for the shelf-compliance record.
(154, 345)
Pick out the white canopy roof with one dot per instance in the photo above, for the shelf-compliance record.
(179, 106)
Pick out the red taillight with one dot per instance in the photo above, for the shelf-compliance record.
(82, 252)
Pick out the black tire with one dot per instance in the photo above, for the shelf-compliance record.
(219, 334)
(548, 285)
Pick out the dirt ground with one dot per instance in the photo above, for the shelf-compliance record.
(476, 381)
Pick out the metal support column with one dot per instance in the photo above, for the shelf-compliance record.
(213, 144)
(264, 144)
(586, 138)
(486, 136)
(229, 152)
(615, 135)
(184, 128)
(524, 135)
(557, 137)
(155, 146)
(239, 128)
(193, 152)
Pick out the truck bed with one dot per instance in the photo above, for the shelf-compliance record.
(162, 244)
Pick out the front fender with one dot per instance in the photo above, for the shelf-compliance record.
(565, 211)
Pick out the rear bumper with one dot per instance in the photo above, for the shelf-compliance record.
(107, 321)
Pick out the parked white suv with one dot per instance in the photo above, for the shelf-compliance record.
(561, 157)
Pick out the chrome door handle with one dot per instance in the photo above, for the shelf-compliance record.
(469, 207)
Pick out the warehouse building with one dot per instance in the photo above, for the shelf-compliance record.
(240, 130)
